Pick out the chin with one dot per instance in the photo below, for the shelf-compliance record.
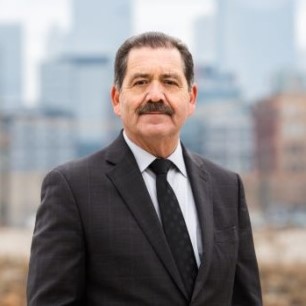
(158, 132)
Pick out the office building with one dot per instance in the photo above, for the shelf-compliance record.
(221, 128)
(256, 38)
(280, 126)
(99, 25)
(81, 85)
(10, 66)
(205, 42)
(33, 141)
(78, 77)
(4, 172)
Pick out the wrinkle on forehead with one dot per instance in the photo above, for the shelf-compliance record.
(162, 61)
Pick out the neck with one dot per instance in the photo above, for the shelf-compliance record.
(161, 147)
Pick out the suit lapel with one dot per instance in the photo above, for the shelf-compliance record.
(128, 180)
(201, 188)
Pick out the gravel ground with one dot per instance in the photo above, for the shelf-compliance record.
(281, 255)
(284, 246)
(15, 242)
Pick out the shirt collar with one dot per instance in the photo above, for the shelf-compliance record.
(144, 158)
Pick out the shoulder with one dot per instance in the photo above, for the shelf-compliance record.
(208, 164)
(98, 162)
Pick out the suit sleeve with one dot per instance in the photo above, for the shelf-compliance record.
(247, 289)
(57, 262)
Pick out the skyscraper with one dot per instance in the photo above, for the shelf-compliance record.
(99, 25)
(221, 128)
(78, 75)
(80, 84)
(205, 33)
(255, 40)
(10, 66)
(32, 141)
(280, 128)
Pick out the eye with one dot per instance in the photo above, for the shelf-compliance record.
(171, 82)
(140, 82)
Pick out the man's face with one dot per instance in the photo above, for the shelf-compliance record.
(154, 100)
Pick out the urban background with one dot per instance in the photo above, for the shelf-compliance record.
(56, 67)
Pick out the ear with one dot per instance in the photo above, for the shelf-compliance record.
(115, 100)
(193, 98)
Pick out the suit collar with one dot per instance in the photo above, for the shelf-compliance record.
(143, 158)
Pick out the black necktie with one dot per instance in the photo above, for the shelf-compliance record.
(174, 225)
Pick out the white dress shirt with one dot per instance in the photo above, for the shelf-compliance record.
(178, 179)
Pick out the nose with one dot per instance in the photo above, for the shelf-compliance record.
(155, 92)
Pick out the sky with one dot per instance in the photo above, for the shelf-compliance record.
(39, 16)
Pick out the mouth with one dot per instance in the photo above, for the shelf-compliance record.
(154, 113)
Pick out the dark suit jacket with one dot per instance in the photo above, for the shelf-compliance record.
(98, 241)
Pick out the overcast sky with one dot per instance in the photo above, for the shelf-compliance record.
(38, 16)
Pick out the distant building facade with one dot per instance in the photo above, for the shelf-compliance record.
(81, 85)
(33, 142)
(280, 125)
(10, 66)
(221, 128)
(256, 38)
(205, 33)
(77, 76)
(4, 171)
(99, 26)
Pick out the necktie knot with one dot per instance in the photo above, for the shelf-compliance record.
(160, 166)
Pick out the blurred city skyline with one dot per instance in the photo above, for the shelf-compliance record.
(55, 76)
(38, 19)
(249, 64)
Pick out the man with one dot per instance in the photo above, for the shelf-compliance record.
(121, 228)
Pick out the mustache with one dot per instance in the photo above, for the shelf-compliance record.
(158, 106)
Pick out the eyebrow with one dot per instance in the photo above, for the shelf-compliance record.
(171, 75)
(163, 76)
(140, 75)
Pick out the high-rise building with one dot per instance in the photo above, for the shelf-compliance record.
(221, 128)
(289, 81)
(32, 142)
(78, 75)
(280, 126)
(81, 85)
(10, 66)
(40, 139)
(4, 172)
(255, 40)
(205, 42)
(99, 26)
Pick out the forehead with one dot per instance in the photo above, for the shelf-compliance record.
(147, 59)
